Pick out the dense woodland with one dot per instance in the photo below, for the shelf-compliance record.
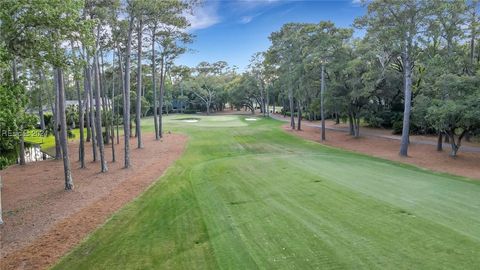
(413, 66)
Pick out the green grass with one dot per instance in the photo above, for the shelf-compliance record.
(47, 143)
(246, 195)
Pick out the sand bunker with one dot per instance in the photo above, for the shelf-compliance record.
(188, 120)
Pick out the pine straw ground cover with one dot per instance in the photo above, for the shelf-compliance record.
(43, 221)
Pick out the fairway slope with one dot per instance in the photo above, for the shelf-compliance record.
(246, 195)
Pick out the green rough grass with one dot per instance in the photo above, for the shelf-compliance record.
(47, 143)
(246, 195)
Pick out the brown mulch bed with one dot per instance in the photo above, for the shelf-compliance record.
(426, 156)
(43, 221)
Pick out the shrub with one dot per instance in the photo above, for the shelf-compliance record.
(4, 162)
(383, 119)
(8, 158)
(295, 114)
(48, 118)
(397, 127)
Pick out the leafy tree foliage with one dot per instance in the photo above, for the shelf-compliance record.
(414, 70)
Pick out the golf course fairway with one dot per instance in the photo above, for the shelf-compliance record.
(247, 195)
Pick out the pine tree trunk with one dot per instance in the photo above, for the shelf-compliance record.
(120, 65)
(126, 96)
(54, 108)
(87, 110)
(292, 109)
(138, 113)
(160, 103)
(86, 86)
(40, 112)
(21, 139)
(154, 86)
(112, 119)
(22, 146)
(92, 109)
(81, 151)
(268, 104)
(105, 109)
(58, 150)
(118, 128)
(98, 114)
(262, 106)
(62, 127)
(408, 100)
(322, 109)
(104, 97)
(299, 125)
(40, 100)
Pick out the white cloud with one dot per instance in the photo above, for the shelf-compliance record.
(207, 15)
(253, 4)
(204, 16)
(246, 19)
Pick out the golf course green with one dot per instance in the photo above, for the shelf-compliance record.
(247, 195)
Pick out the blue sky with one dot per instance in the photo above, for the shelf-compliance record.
(233, 30)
